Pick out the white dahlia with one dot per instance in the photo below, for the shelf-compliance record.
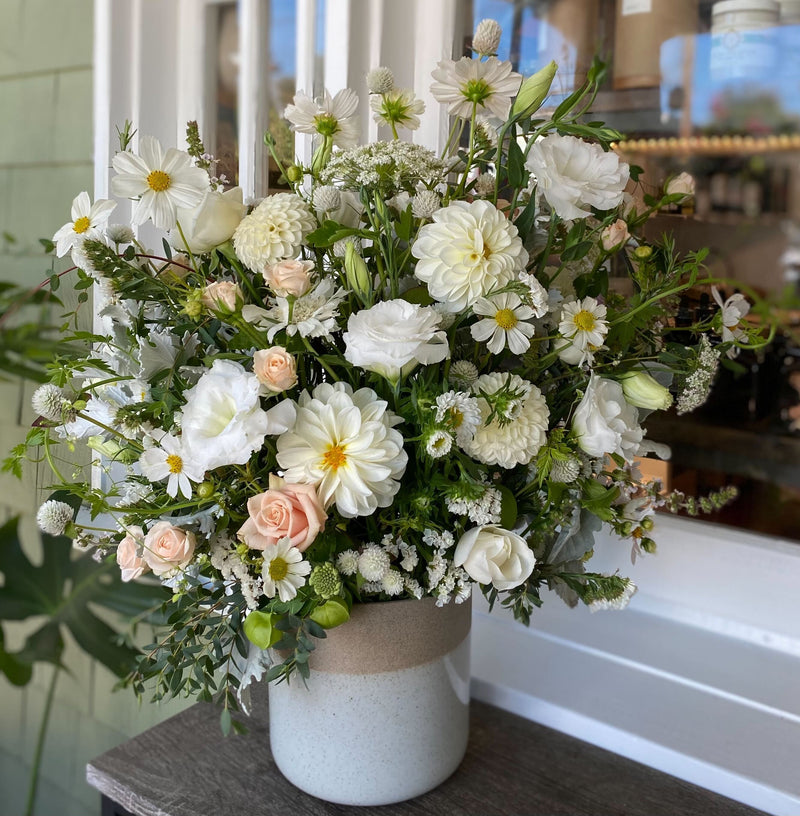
(487, 85)
(516, 441)
(345, 444)
(275, 230)
(574, 175)
(468, 250)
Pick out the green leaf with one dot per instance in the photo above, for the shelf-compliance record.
(576, 252)
(17, 671)
(516, 164)
(260, 630)
(225, 721)
(508, 508)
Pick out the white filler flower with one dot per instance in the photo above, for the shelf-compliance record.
(330, 117)
(284, 570)
(574, 175)
(492, 555)
(504, 324)
(468, 250)
(345, 444)
(169, 461)
(87, 222)
(487, 86)
(515, 441)
(160, 181)
(394, 336)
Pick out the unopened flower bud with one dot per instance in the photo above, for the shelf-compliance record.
(648, 545)
(356, 270)
(205, 490)
(79, 404)
(294, 174)
(325, 580)
(643, 252)
(642, 391)
(534, 91)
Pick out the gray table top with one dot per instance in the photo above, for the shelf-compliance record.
(185, 767)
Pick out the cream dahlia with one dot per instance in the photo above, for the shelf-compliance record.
(344, 442)
(469, 249)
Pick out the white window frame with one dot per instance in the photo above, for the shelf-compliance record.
(715, 700)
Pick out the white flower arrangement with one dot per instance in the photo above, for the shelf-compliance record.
(404, 375)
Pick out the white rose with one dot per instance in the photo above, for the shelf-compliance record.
(605, 423)
(211, 223)
(574, 175)
(492, 555)
(682, 184)
(394, 335)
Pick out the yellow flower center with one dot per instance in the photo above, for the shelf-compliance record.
(175, 463)
(278, 568)
(506, 319)
(334, 457)
(158, 181)
(82, 224)
(456, 418)
(584, 320)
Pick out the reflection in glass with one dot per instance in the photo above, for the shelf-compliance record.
(222, 131)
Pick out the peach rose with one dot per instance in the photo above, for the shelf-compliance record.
(614, 235)
(292, 510)
(289, 277)
(129, 558)
(275, 369)
(222, 296)
(167, 548)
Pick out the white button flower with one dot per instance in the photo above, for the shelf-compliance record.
(505, 323)
(492, 555)
(87, 222)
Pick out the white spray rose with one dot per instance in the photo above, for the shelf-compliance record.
(211, 223)
(574, 175)
(682, 184)
(605, 423)
(492, 555)
(394, 335)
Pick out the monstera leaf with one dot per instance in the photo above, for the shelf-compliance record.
(62, 591)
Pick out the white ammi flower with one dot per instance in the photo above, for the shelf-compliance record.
(330, 117)
(160, 181)
(345, 444)
(469, 84)
(514, 441)
(284, 570)
(87, 222)
(169, 461)
(468, 250)
(583, 327)
(505, 323)
(275, 230)
(574, 175)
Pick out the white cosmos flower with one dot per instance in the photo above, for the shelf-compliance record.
(469, 249)
(331, 117)
(732, 312)
(168, 460)
(394, 336)
(505, 323)
(518, 439)
(160, 181)
(574, 175)
(345, 444)
(284, 570)
(488, 84)
(583, 327)
(87, 222)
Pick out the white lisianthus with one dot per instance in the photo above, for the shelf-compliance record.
(682, 184)
(516, 440)
(344, 442)
(393, 336)
(604, 423)
(211, 223)
(87, 220)
(504, 324)
(468, 250)
(53, 517)
(574, 175)
(223, 423)
(492, 555)
(486, 85)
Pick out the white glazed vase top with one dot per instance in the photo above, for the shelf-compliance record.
(385, 716)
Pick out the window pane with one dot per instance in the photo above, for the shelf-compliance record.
(222, 137)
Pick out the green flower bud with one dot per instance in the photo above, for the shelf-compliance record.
(648, 545)
(643, 391)
(356, 271)
(260, 629)
(106, 447)
(533, 91)
(193, 306)
(643, 252)
(79, 405)
(325, 580)
(205, 490)
(294, 174)
(332, 613)
(647, 523)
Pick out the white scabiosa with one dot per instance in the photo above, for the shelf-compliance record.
(486, 39)
(53, 517)
(463, 373)
(514, 441)
(274, 231)
(425, 203)
(373, 563)
(87, 221)
(380, 80)
(485, 85)
(332, 117)
(505, 323)
(345, 443)
(284, 570)
(469, 249)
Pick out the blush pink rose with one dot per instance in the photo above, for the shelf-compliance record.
(275, 369)
(129, 558)
(222, 295)
(285, 510)
(289, 277)
(614, 235)
(167, 548)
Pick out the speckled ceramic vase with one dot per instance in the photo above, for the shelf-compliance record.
(385, 716)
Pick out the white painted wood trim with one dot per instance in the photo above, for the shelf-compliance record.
(305, 56)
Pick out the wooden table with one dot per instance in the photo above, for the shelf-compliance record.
(185, 767)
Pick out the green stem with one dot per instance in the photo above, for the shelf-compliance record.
(37, 756)
(108, 429)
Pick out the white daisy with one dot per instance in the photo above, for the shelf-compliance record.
(344, 442)
(460, 413)
(583, 327)
(397, 108)
(87, 222)
(284, 570)
(331, 117)
(168, 460)
(160, 181)
(488, 84)
(505, 323)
